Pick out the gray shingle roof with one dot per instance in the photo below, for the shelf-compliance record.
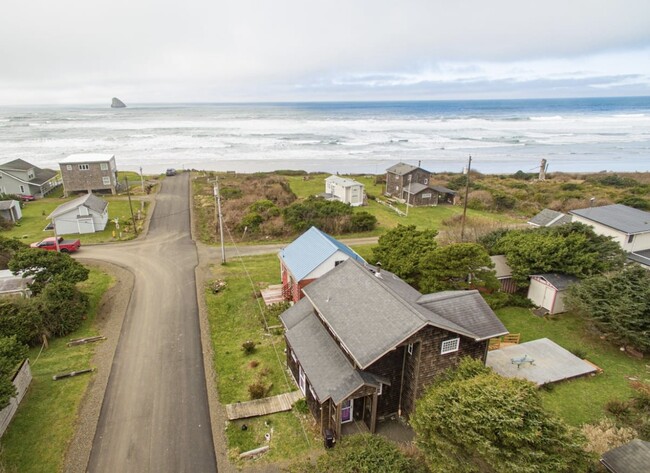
(617, 216)
(467, 309)
(633, 457)
(559, 281)
(402, 168)
(416, 188)
(88, 200)
(443, 190)
(549, 218)
(373, 314)
(329, 372)
(40, 175)
(641, 257)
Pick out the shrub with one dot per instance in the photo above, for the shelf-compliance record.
(63, 307)
(248, 346)
(605, 435)
(503, 201)
(258, 389)
(636, 202)
(22, 319)
(362, 222)
(497, 300)
(301, 406)
(618, 408)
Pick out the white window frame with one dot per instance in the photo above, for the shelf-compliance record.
(427, 195)
(68, 167)
(380, 389)
(103, 166)
(106, 180)
(293, 357)
(450, 346)
(409, 348)
(84, 167)
(302, 380)
(313, 394)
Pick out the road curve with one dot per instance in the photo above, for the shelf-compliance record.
(155, 415)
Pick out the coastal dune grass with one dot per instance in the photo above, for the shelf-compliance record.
(235, 317)
(38, 436)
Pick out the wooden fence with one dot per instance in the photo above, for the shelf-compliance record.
(21, 380)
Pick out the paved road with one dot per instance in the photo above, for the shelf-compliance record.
(155, 415)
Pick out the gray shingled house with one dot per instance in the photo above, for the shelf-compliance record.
(21, 177)
(363, 345)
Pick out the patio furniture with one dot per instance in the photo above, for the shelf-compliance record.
(521, 360)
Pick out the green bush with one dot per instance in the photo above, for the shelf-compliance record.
(362, 222)
(22, 319)
(249, 347)
(258, 389)
(636, 202)
(301, 406)
(63, 308)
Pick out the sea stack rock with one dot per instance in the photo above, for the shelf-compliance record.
(117, 103)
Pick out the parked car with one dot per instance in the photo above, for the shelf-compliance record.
(65, 246)
(26, 197)
(171, 172)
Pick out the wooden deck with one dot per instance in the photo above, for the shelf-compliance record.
(261, 407)
(272, 294)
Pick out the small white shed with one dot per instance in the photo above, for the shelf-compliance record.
(10, 210)
(547, 290)
(86, 214)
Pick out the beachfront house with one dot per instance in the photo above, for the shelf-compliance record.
(419, 195)
(363, 345)
(20, 177)
(309, 257)
(85, 214)
(89, 172)
(345, 190)
(628, 226)
(401, 175)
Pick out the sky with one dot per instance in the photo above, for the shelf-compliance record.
(163, 51)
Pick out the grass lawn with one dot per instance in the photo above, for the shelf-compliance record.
(39, 434)
(35, 219)
(235, 317)
(581, 400)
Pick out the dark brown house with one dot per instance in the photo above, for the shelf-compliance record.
(419, 195)
(363, 345)
(399, 176)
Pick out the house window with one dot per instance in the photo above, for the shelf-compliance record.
(630, 238)
(84, 167)
(106, 181)
(426, 181)
(409, 348)
(426, 196)
(293, 357)
(449, 346)
(336, 263)
(68, 167)
(103, 166)
(302, 380)
(22, 189)
(313, 394)
(379, 390)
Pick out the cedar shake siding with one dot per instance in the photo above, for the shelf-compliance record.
(396, 184)
(89, 173)
(390, 367)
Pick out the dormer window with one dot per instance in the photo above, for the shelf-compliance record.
(84, 167)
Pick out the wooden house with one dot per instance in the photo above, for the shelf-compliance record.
(309, 257)
(363, 345)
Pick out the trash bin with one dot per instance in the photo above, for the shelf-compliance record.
(329, 438)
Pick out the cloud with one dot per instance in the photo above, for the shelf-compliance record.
(233, 50)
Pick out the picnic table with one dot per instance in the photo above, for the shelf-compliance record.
(521, 360)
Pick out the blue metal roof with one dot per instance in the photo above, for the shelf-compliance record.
(311, 249)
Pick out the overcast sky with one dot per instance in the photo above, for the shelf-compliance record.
(87, 51)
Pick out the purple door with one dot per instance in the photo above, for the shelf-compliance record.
(346, 411)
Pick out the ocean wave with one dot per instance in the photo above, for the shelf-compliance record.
(546, 118)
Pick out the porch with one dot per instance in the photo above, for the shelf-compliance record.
(272, 294)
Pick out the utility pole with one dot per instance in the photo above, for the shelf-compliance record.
(462, 228)
(142, 179)
(542, 170)
(217, 201)
(128, 193)
(56, 236)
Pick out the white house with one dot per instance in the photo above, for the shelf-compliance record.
(14, 285)
(628, 226)
(547, 291)
(86, 214)
(10, 210)
(346, 190)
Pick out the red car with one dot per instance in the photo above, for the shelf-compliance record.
(65, 246)
(26, 197)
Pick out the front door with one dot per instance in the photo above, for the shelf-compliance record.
(346, 411)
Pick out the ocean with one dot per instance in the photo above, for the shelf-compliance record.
(502, 136)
